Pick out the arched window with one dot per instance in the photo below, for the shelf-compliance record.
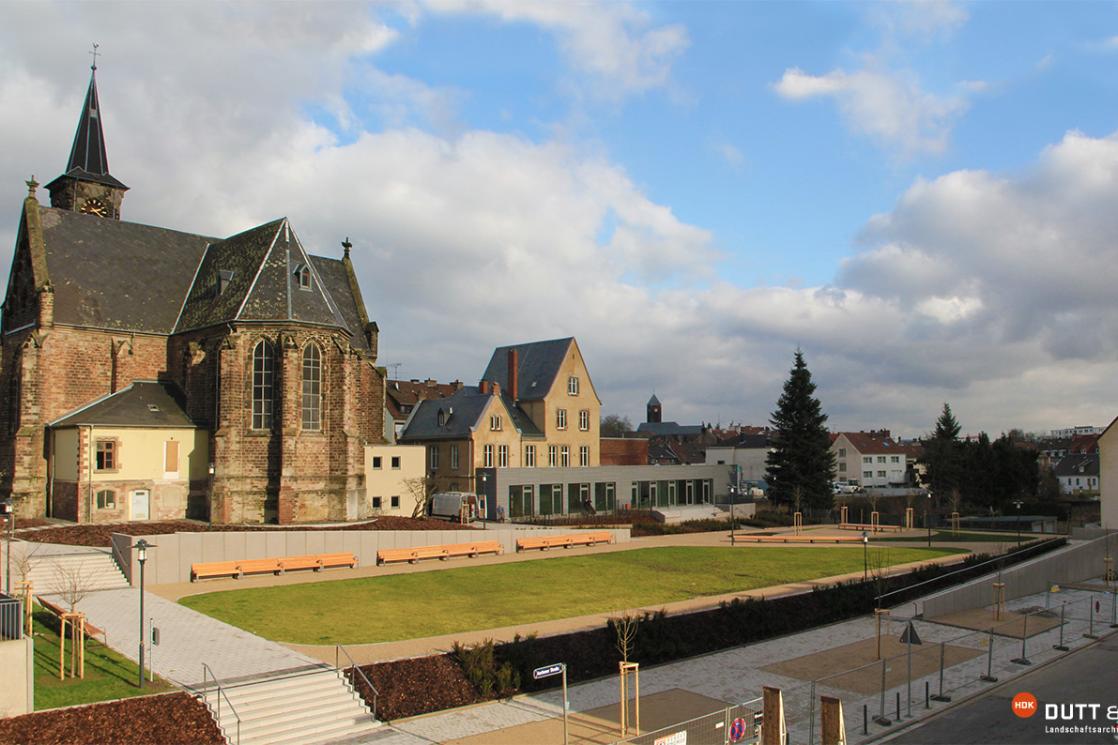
(263, 378)
(312, 388)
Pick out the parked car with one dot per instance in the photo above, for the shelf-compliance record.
(457, 506)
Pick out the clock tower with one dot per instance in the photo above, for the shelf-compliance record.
(87, 186)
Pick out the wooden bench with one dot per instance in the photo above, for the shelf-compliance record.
(544, 542)
(881, 528)
(274, 565)
(442, 552)
(58, 610)
(798, 539)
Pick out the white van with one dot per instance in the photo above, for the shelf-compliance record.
(457, 506)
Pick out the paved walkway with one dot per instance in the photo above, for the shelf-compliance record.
(186, 639)
(737, 675)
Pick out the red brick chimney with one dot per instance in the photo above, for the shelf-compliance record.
(514, 387)
(483, 387)
(496, 388)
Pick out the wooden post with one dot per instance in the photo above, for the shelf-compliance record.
(955, 523)
(999, 600)
(831, 722)
(774, 731)
(81, 645)
(624, 669)
(844, 514)
(24, 587)
(877, 614)
(875, 521)
(909, 518)
(62, 647)
(798, 522)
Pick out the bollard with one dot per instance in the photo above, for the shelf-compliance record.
(908, 690)
(927, 696)
(942, 657)
(989, 676)
(865, 719)
(1114, 609)
(880, 718)
(811, 717)
(1060, 646)
(1091, 620)
(1023, 660)
(898, 706)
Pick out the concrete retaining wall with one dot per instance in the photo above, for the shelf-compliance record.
(170, 561)
(1070, 564)
(17, 677)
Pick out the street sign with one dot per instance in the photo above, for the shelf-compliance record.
(547, 671)
(737, 730)
(910, 636)
(677, 738)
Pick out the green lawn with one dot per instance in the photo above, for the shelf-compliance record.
(408, 606)
(946, 536)
(107, 674)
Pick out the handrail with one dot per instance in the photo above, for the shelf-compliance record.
(353, 664)
(220, 694)
(1020, 555)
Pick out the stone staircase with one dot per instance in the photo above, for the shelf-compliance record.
(310, 708)
(92, 569)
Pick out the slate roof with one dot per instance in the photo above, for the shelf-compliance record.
(145, 403)
(130, 277)
(669, 429)
(653, 401)
(538, 364)
(462, 411)
(1078, 464)
(402, 395)
(88, 158)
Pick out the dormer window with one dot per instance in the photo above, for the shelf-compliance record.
(441, 416)
(303, 276)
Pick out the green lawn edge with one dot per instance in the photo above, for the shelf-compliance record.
(434, 603)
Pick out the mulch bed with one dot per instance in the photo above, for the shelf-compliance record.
(171, 719)
(101, 534)
(416, 686)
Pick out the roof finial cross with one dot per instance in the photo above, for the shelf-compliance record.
(95, 53)
(346, 245)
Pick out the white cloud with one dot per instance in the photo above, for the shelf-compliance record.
(615, 42)
(731, 154)
(918, 18)
(891, 109)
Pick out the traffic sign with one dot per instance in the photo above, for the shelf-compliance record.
(547, 671)
(737, 730)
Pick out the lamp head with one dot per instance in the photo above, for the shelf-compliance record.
(142, 547)
(865, 537)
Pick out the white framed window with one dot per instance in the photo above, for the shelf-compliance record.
(572, 385)
(842, 452)
(552, 456)
(560, 418)
(376, 462)
(395, 502)
(395, 463)
(867, 474)
(433, 456)
(565, 456)
(376, 503)
(842, 467)
(881, 474)
(454, 457)
(881, 459)
(584, 420)
(529, 456)
(106, 499)
(867, 459)
(894, 459)
(495, 423)
(584, 456)
(487, 456)
(502, 456)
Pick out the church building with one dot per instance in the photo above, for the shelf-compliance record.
(148, 373)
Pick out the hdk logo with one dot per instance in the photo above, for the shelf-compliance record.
(1024, 705)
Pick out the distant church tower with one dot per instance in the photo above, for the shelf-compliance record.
(86, 186)
(655, 415)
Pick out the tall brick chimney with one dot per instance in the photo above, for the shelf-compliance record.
(483, 387)
(514, 387)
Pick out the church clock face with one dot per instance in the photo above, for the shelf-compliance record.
(94, 206)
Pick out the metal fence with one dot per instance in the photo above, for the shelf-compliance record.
(735, 724)
(11, 617)
(946, 662)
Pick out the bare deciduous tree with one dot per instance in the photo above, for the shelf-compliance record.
(420, 488)
(71, 584)
(625, 627)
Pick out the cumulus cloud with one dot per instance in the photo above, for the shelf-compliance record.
(992, 291)
(615, 42)
(890, 108)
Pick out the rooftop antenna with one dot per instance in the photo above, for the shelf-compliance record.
(395, 369)
(95, 54)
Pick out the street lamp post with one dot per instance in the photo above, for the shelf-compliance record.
(927, 524)
(865, 556)
(6, 509)
(142, 547)
(1016, 503)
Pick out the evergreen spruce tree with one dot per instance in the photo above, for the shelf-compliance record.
(943, 454)
(800, 463)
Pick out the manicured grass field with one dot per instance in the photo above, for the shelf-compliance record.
(408, 606)
(107, 674)
(946, 536)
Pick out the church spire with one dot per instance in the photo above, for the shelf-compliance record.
(86, 185)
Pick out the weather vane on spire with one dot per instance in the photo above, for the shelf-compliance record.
(94, 53)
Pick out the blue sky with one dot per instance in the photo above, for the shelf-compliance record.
(919, 195)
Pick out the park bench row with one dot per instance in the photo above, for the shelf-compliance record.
(870, 528)
(798, 539)
(274, 565)
(279, 565)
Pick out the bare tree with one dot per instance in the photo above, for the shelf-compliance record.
(23, 561)
(625, 627)
(71, 584)
(420, 488)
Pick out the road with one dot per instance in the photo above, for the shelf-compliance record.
(1089, 676)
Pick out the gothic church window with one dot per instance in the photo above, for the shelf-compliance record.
(312, 388)
(263, 380)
